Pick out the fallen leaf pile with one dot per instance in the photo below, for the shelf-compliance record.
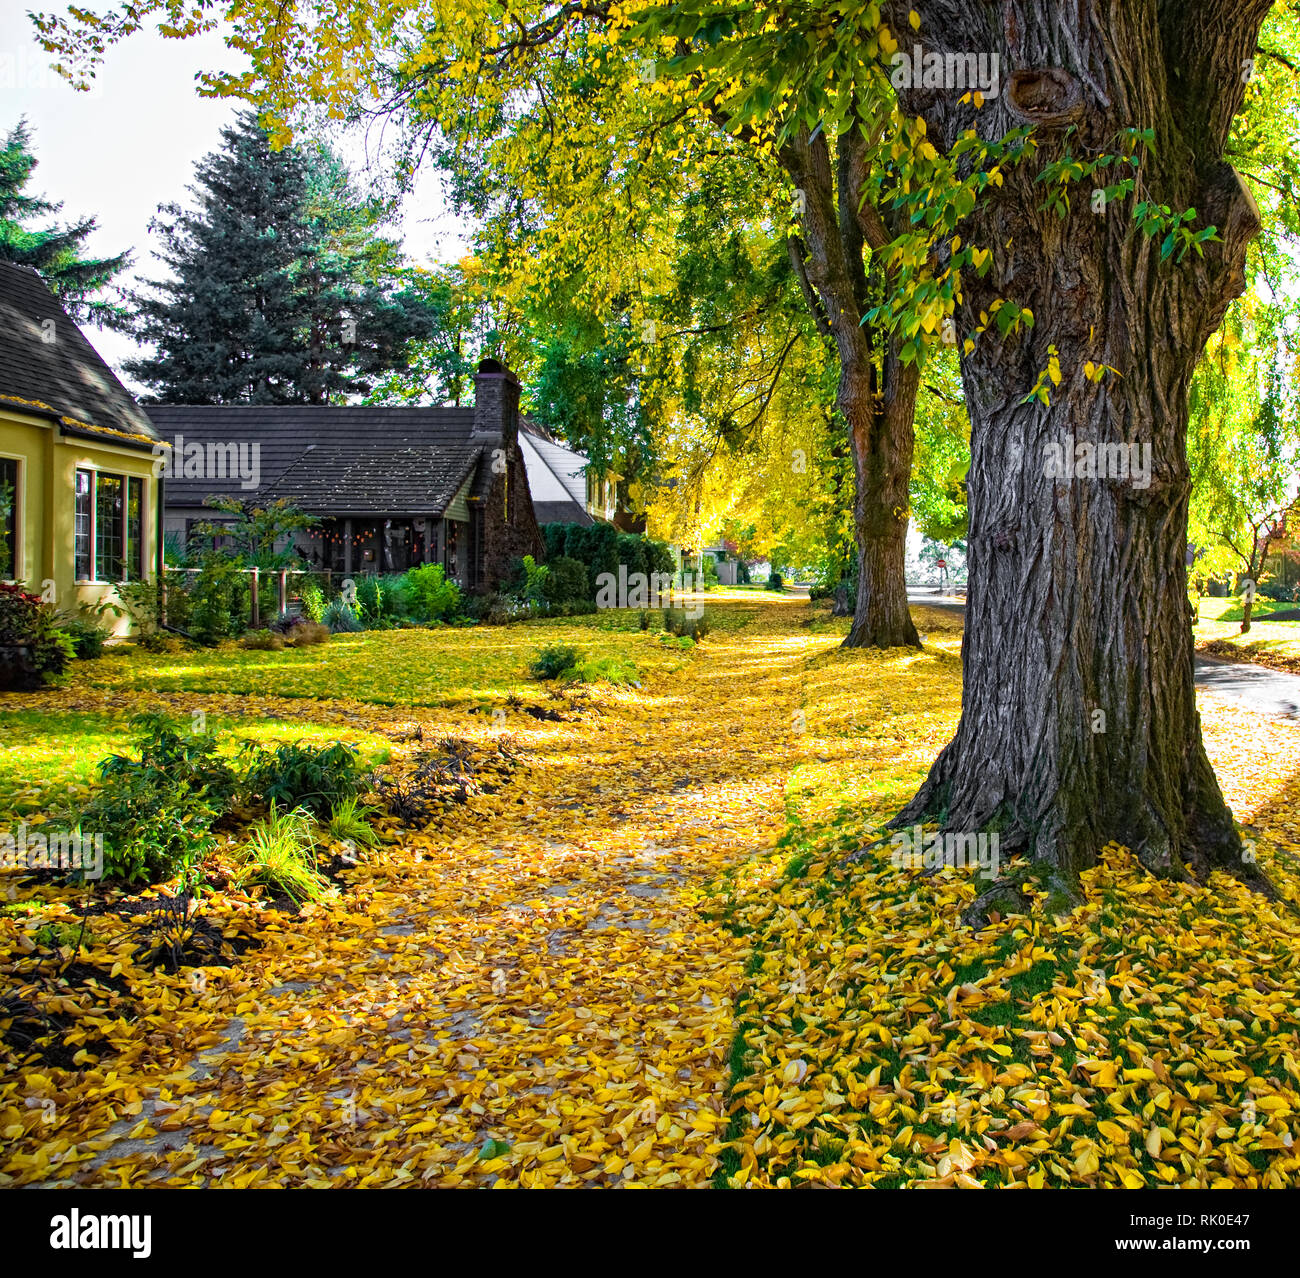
(522, 992)
(621, 946)
(1148, 1038)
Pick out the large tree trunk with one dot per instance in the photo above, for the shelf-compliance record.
(880, 434)
(831, 270)
(1079, 722)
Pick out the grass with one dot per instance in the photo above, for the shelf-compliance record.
(1231, 609)
(1268, 643)
(436, 668)
(280, 854)
(349, 822)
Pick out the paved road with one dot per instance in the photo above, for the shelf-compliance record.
(1270, 692)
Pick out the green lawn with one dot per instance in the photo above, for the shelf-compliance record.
(442, 667)
(49, 756)
(1275, 643)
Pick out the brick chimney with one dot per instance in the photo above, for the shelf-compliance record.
(496, 407)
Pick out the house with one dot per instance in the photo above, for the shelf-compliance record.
(563, 490)
(79, 498)
(725, 561)
(390, 487)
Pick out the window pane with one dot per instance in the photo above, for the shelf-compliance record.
(8, 517)
(85, 489)
(108, 527)
(134, 529)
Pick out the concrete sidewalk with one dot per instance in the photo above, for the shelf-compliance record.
(1271, 692)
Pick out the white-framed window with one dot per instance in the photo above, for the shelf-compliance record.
(11, 519)
(108, 536)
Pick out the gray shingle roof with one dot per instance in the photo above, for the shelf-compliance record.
(561, 512)
(283, 434)
(343, 459)
(65, 377)
(371, 478)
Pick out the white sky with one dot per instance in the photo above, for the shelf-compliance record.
(131, 144)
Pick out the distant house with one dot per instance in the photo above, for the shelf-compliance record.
(391, 487)
(725, 561)
(79, 500)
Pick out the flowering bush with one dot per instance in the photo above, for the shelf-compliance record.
(27, 624)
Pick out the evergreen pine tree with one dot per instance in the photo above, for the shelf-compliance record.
(281, 290)
(56, 251)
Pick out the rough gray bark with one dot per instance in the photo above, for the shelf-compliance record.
(1079, 722)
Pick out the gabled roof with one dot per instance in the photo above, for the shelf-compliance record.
(63, 379)
(565, 469)
(364, 479)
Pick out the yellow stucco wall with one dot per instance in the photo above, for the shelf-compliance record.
(48, 462)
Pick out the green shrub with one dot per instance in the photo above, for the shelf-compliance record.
(87, 636)
(156, 812)
(153, 827)
(659, 557)
(300, 775)
(776, 581)
(147, 602)
(25, 622)
(632, 552)
(52, 652)
(826, 586)
(1277, 592)
(187, 758)
(527, 581)
(215, 611)
(281, 855)
(613, 670)
(553, 537)
(312, 598)
(567, 581)
(395, 595)
(431, 596)
(555, 661)
(601, 548)
(341, 619)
